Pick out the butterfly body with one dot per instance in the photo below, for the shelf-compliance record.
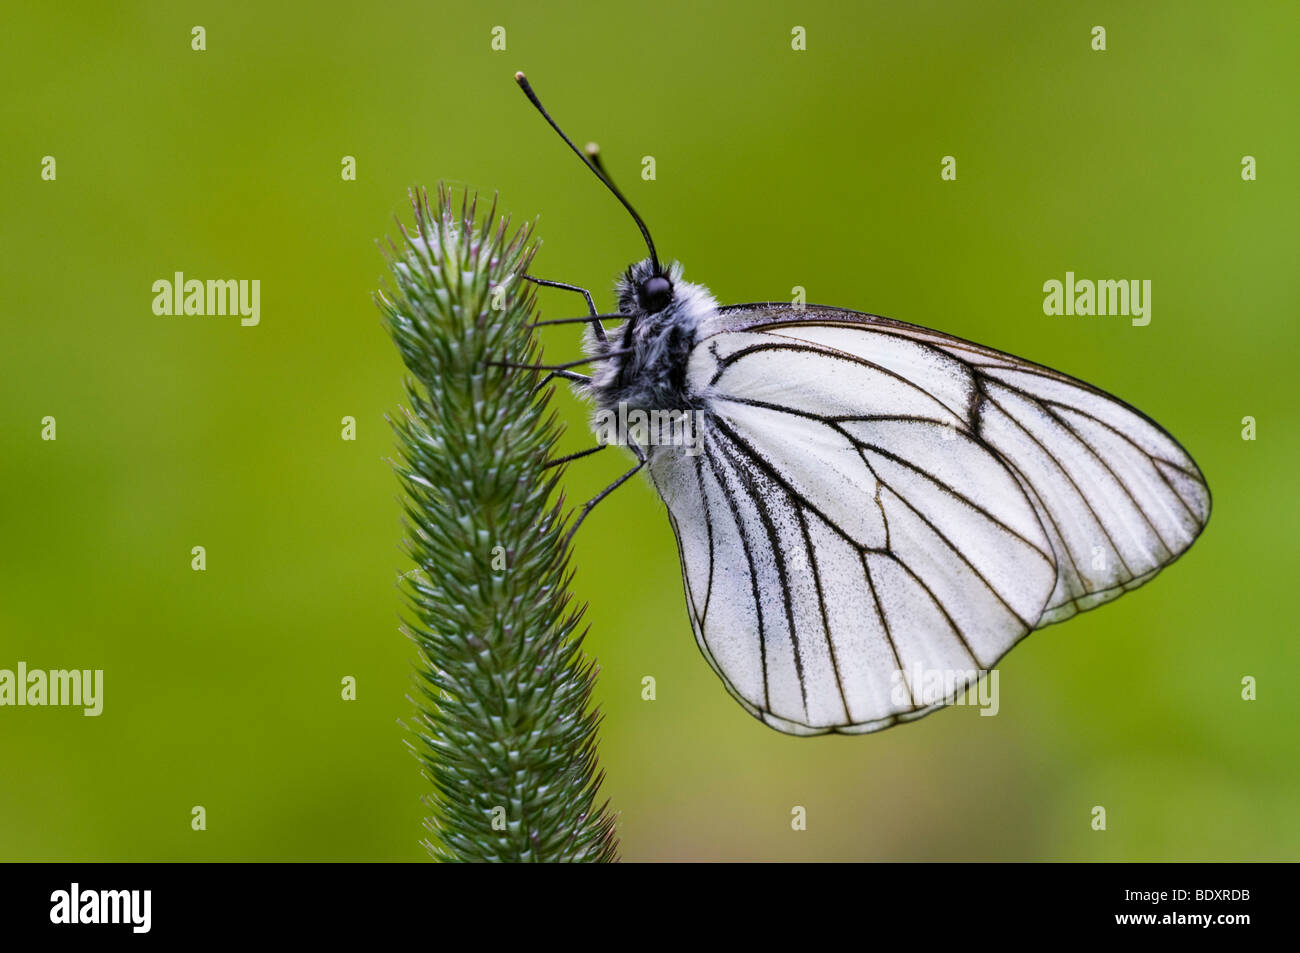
(876, 502)
(867, 509)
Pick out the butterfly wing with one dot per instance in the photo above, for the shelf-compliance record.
(881, 511)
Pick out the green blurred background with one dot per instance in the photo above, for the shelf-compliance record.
(775, 168)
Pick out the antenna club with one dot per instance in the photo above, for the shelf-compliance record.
(520, 77)
(593, 149)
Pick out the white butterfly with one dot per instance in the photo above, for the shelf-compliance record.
(872, 497)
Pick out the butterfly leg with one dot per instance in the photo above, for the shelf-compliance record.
(574, 456)
(564, 375)
(591, 504)
(591, 305)
(560, 367)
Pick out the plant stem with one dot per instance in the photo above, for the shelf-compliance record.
(505, 731)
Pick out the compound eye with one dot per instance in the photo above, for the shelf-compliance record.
(656, 293)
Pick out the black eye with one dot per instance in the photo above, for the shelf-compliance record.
(656, 293)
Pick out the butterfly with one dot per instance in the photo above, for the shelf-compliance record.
(867, 501)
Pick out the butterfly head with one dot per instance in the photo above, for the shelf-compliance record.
(647, 288)
(650, 295)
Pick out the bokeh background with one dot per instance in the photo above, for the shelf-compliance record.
(775, 168)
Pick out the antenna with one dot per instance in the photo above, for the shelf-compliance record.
(522, 80)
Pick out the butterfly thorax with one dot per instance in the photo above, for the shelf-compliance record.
(650, 352)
